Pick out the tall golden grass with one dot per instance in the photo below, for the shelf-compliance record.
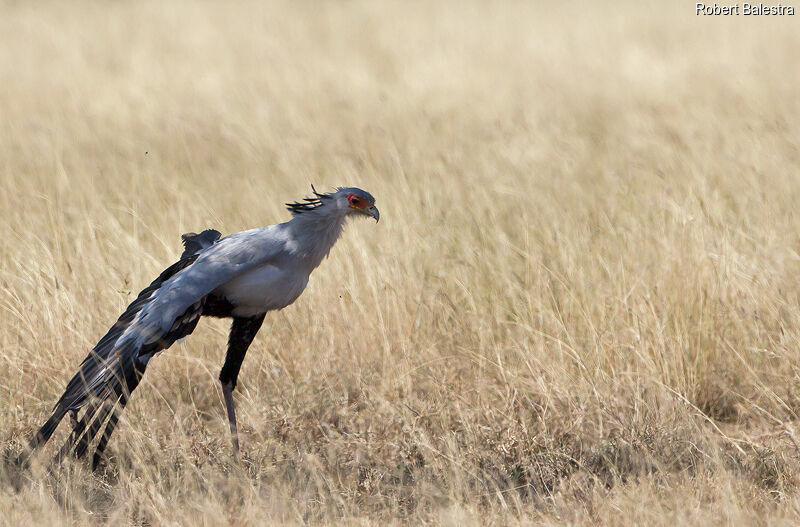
(580, 306)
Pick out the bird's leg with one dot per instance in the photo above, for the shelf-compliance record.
(227, 392)
(243, 330)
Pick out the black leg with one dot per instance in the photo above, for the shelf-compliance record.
(243, 331)
(227, 394)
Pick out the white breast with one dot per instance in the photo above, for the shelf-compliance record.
(263, 289)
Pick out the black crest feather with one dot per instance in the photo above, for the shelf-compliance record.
(308, 204)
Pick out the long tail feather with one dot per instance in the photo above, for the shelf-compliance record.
(78, 430)
(46, 431)
(97, 423)
(112, 370)
(131, 383)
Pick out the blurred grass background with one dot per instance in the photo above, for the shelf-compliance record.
(580, 305)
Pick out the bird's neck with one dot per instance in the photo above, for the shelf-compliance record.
(315, 233)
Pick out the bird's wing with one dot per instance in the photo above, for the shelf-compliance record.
(216, 265)
(167, 310)
(195, 243)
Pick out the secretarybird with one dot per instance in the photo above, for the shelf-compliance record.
(241, 276)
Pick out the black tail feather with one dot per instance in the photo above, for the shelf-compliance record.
(112, 370)
(112, 423)
(43, 435)
(97, 423)
(113, 406)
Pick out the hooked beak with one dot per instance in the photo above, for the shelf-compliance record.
(374, 212)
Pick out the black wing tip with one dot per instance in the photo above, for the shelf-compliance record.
(194, 243)
(206, 235)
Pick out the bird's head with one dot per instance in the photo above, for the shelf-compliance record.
(348, 201)
(357, 202)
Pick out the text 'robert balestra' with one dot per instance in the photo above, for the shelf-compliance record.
(744, 9)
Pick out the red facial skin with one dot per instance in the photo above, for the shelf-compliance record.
(356, 202)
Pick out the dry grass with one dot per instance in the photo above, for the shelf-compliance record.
(581, 305)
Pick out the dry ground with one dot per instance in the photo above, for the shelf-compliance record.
(581, 305)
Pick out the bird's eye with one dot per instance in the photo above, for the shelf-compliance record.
(355, 201)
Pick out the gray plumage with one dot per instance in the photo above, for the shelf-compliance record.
(242, 276)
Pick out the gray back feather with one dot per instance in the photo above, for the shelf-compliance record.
(215, 265)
